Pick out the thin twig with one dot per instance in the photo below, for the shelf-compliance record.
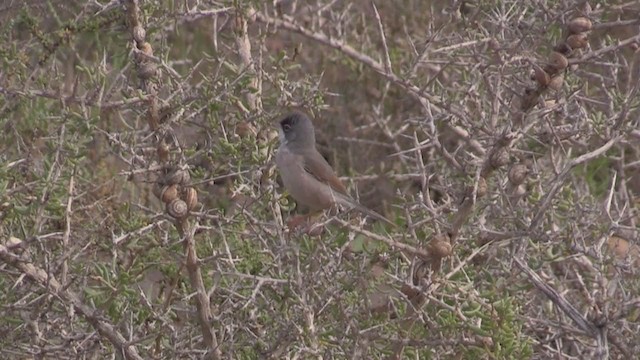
(67, 297)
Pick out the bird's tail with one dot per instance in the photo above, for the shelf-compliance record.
(373, 214)
(348, 201)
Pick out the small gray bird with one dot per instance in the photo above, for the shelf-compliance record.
(306, 174)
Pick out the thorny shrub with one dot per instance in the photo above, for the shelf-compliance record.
(141, 215)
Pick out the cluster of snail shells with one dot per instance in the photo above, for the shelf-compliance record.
(517, 176)
(147, 69)
(173, 190)
(577, 38)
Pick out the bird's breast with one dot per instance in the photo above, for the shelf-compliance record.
(301, 185)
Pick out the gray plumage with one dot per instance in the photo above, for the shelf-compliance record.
(306, 174)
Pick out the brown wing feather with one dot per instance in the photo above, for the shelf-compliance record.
(317, 166)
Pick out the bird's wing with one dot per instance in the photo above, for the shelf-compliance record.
(319, 168)
(315, 165)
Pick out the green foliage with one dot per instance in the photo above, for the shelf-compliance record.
(597, 175)
(79, 159)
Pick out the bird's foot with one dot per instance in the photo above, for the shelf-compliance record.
(304, 224)
(296, 221)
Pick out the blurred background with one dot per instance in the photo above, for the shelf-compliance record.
(452, 118)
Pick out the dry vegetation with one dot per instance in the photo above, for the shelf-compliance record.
(501, 136)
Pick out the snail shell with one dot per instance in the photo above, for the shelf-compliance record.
(146, 49)
(517, 174)
(177, 209)
(499, 158)
(190, 196)
(563, 48)
(520, 190)
(169, 193)
(147, 70)
(579, 25)
(439, 246)
(577, 41)
(178, 176)
(556, 82)
(558, 61)
(541, 76)
(139, 34)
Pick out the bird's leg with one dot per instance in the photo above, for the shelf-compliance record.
(306, 223)
(312, 228)
(296, 221)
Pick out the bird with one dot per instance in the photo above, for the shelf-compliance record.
(305, 173)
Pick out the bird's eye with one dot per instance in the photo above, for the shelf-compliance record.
(286, 127)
